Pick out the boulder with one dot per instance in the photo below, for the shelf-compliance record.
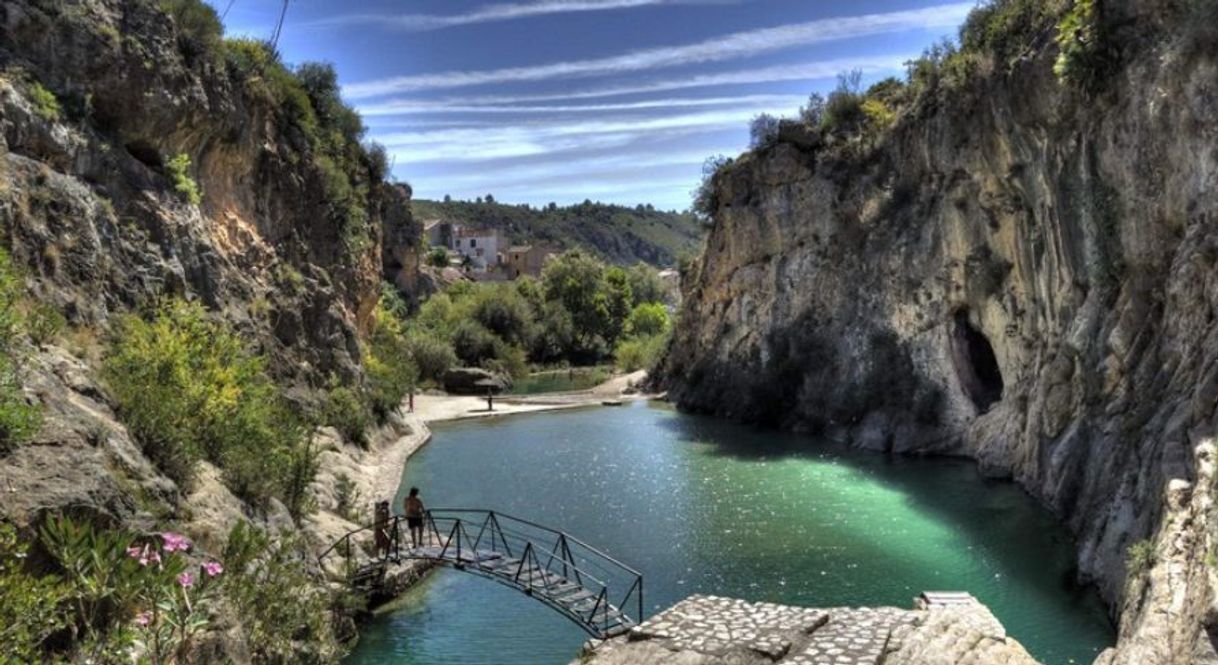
(474, 381)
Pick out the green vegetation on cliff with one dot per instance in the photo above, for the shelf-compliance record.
(617, 234)
(188, 389)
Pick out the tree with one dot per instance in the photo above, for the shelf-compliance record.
(490, 199)
(814, 112)
(705, 203)
(437, 257)
(645, 284)
(763, 130)
(448, 198)
(575, 282)
(648, 319)
(619, 301)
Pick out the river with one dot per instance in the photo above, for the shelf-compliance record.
(699, 505)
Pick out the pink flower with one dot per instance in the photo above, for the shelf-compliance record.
(186, 580)
(148, 556)
(143, 618)
(213, 568)
(135, 550)
(175, 542)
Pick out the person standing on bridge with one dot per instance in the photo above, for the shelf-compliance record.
(414, 517)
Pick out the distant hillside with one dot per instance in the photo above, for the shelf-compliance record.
(617, 234)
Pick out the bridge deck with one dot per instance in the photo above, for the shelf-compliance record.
(549, 566)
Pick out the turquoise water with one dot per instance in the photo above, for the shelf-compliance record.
(699, 505)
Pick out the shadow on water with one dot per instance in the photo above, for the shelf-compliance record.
(1000, 503)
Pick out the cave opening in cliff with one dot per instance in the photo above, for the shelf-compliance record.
(975, 362)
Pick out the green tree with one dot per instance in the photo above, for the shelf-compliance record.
(576, 282)
(648, 319)
(645, 284)
(619, 299)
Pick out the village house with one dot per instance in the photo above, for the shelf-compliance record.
(480, 246)
(526, 260)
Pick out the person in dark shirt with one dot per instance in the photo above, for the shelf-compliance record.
(414, 517)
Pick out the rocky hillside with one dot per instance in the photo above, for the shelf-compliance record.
(146, 159)
(1018, 267)
(616, 234)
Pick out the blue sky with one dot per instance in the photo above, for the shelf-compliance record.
(565, 100)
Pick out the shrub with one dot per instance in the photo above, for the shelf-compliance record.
(199, 28)
(641, 352)
(705, 198)
(346, 411)
(188, 389)
(33, 608)
(646, 285)
(46, 105)
(1083, 59)
(432, 355)
(763, 130)
(44, 323)
(178, 170)
(19, 420)
(813, 113)
(346, 497)
(844, 109)
(437, 257)
(1140, 557)
(1007, 29)
(501, 309)
(648, 319)
(387, 362)
(283, 610)
(474, 344)
(879, 115)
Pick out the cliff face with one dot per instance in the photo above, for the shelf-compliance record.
(1015, 272)
(90, 212)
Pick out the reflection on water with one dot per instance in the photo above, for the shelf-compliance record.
(703, 506)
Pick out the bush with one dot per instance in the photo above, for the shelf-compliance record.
(346, 498)
(33, 608)
(178, 170)
(642, 352)
(432, 355)
(19, 420)
(387, 360)
(474, 344)
(188, 389)
(646, 285)
(1007, 29)
(44, 323)
(282, 608)
(705, 198)
(437, 257)
(1140, 557)
(763, 130)
(346, 411)
(648, 319)
(199, 29)
(813, 113)
(844, 109)
(1084, 59)
(46, 105)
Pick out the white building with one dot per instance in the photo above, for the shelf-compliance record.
(480, 246)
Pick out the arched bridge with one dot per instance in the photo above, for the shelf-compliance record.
(587, 586)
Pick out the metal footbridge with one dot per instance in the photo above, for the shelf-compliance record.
(585, 585)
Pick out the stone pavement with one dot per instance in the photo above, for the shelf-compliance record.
(710, 630)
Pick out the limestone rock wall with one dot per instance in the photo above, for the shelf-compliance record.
(1016, 272)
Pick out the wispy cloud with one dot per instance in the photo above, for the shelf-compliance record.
(811, 71)
(728, 47)
(548, 138)
(492, 13)
(395, 108)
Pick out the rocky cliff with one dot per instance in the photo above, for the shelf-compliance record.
(1017, 271)
(142, 159)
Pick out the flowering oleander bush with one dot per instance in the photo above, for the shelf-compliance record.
(172, 599)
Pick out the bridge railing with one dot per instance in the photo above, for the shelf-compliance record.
(480, 541)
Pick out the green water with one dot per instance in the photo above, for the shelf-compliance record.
(702, 506)
(583, 378)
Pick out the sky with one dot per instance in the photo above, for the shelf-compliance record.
(620, 101)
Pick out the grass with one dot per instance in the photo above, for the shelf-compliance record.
(1140, 557)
